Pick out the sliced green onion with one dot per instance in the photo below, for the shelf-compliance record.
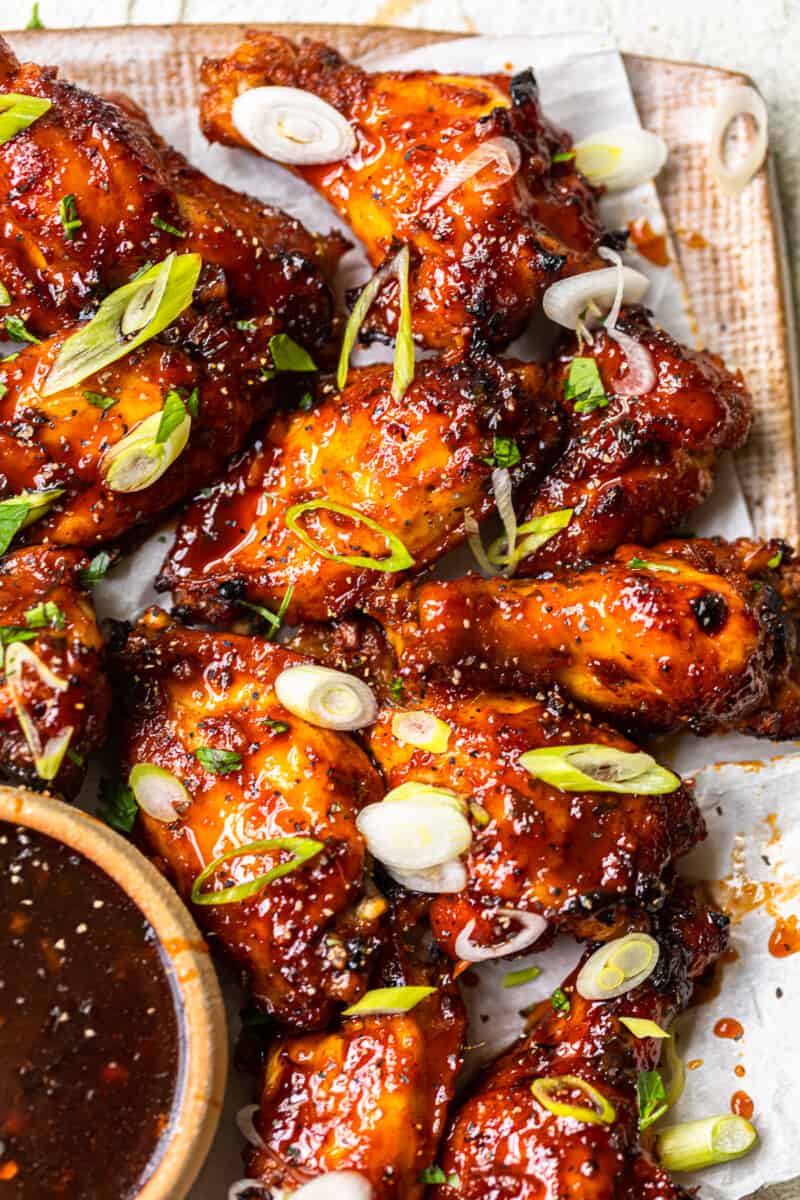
(525, 975)
(651, 1096)
(641, 564)
(545, 1090)
(560, 1002)
(126, 318)
(288, 356)
(15, 328)
(302, 848)
(415, 827)
(46, 615)
(398, 560)
(697, 1144)
(618, 967)
(173, 414)
(18, 111)
(35, 21)
(48, 762)
(326, 698)
(505, 453)
(422, 729)
(139, 459)
(68, 215)
(118, 808)
(47, 759)
(165, 226)
(388, 1000)
(5, 295)
(159, 793)
(641, 1028)
(592, 767)
(17, 512)
(776, 560)
(274, 620)
(98, 400)
(97, 568)
(531, 535)
(403, 371)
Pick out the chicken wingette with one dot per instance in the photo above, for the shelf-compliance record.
(483, 254)
(203, 708)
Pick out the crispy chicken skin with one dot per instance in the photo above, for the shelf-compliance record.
(413, 466)
(635, 469)
(303, 941)
(482, 257)
(686, 639)
(504, 1145)
(70, 646)
(122, 176)
(369, 1095)
(62, 440)
(578, 859)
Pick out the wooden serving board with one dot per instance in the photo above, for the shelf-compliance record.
(731, 251)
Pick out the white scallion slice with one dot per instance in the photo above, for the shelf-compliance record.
(246, 1125)
(503, 152)
(139, 459)
(422, 729)
(502, 488)
(388, 1001)
(591, 767)
(293, 126)
(443, 880)
(705, 1143)
(738, 100)
(532, 928)
(618, 967)
(531, 535)
(621, 158)
(127, 318)
(18, 111)
(337, 1185)
(403, 371)
(326, 698)
(567, 300)
(47, 758)
(427, 793)
(414, 834)
(473, 532)
(158, 792)
(642, 1028)
(640, 376)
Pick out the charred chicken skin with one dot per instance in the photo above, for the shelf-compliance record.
(56, 684)
(483, 254)
(128, 192)
(580, 859)
(369, 1095)
(633, 470)
(414, 467)
(676, 636)
(203, 707)
(505, 1145)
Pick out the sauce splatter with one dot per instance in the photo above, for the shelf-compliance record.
(742, 1105)
(739, 1071)
(709, 986)
(694, 1064)
(728, 1027)
(695, 241)
(785, 937)
(651, 245)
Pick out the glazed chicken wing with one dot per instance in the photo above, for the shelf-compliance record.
(578, 858)
(54, 697)
(413, 467)
(369, 1096)
(504, 1144)
(635, 468)
(483, 254)
(677, 636)
(90, 194)
(203, 707)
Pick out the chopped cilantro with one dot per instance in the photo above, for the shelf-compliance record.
(96, 568)
(172, 415)
(560, 1002)
(505, 453)
(98, 400)
(651, 1095)
(219, 762)
(160, 223)
(118, 805)
(584, 386)
(15, 328)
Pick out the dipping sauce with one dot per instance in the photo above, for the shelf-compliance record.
(89, 1034)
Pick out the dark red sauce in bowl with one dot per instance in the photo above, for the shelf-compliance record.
(90, 1039)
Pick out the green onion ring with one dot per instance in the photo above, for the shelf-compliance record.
(303, 849)
(398, 560)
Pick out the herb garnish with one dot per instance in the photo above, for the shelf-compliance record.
(505, 453)
(68, 215)
(219, 762)
(15, 328)
(160, 223)
(651, 1095)
(118, 808)
(560, 1002)
(584, 386)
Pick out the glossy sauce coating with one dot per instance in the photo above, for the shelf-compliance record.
(414, 466)
(89, 1034)
(483, 256)
(70, 646)
(302, 942)
(633, 470)
(577, 858)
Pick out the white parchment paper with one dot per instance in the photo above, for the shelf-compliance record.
(584, 88)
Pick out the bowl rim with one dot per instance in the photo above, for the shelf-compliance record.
(200, 1009)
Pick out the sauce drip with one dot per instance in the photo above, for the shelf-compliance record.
(742, 1105)
(727, 1027)
(785, 937)
(89, 1036)
(651, 245)
(739, 1071)
(695, 1064)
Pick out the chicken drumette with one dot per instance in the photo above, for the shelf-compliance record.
(54, 697)
(90, 194)
(504, 1144)
(483, 254)
(634, 466)
(203, 707)
(413, 467)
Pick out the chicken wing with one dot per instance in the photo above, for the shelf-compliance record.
(370, 1095)
(676, 636)
(636, 467)
(413, 467)
(203, 707)
(54, 697)
(65, 440)
(505, 1145)
(90, 194)
(483, 254)
(577, 858)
